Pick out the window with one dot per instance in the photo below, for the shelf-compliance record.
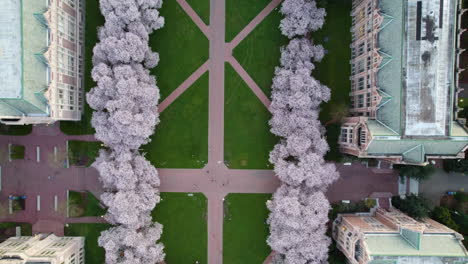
(369, 26)
(369, 62)
(360, 66)
(361, 48)
(344, 135)
(360, 101)
(361, 83)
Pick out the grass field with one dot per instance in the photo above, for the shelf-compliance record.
(182, 48)
(93, 253)
(83, 153)
(334, 69)
(15, 130)
(185, 227)
(17, 151)
(245, 230)
(181, 139)
(247, 137)
(26, 228)
(202, 7)
(83, 204)
(239, 13)
(93, 20)
(259, 52)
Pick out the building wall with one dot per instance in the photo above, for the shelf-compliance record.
(64, 21)
(43, 248)
(365, 58)
(65, 58)
(349, 232)
(365, 96)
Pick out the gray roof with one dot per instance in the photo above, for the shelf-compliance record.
(429, 67)
(23, 93)
(390, 41)
(415, 79)
(430, 245)
(10, 49)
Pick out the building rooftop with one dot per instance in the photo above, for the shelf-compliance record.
(23, 69)
(417, 42)
(389, 77)
(10, 49)
(416, 81)
(430, 245)
(429, 64)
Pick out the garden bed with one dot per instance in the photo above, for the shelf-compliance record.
(17, 152)
(81, 204)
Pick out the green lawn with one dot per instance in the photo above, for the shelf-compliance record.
(15, 130)
(259, 53)
(182, 48)
(183, 216)
(181, 139)
(26, 229)
(83, 204)
(239, 13)
(83, 153)
(93, 20)
(334, 69)
(245, 230)
(17, 151)
(247, 137)
(202, 7)
(93, 253)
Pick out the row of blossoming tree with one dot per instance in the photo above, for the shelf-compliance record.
(299, 208)
(125, 103)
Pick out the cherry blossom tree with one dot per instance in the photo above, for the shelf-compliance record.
(299, 208)
(132, 246)
(301, 17)
(125, 102)
(297, 222)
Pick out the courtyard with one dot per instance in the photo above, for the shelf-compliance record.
(213, 142)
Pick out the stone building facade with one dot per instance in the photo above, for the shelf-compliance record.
(389, 236)
(42, 248)
(404, 81)
(41, 61)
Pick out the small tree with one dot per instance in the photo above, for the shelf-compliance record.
(453, 165)
(415, 206)
(443, 215)
(420, 173)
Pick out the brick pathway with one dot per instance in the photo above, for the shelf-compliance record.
(215, 180)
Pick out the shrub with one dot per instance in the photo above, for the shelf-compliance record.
(17, 152)
(417, 207)
(420, 173)
(443, 215)
(343, 208)
(461, 197)
(454, 165)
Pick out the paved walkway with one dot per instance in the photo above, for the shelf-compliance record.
(442, 182)
(215, 180)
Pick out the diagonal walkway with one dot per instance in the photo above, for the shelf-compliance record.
(183, 87)
(195, 18)
(249, 81)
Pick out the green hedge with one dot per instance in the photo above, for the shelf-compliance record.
(17, 151)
